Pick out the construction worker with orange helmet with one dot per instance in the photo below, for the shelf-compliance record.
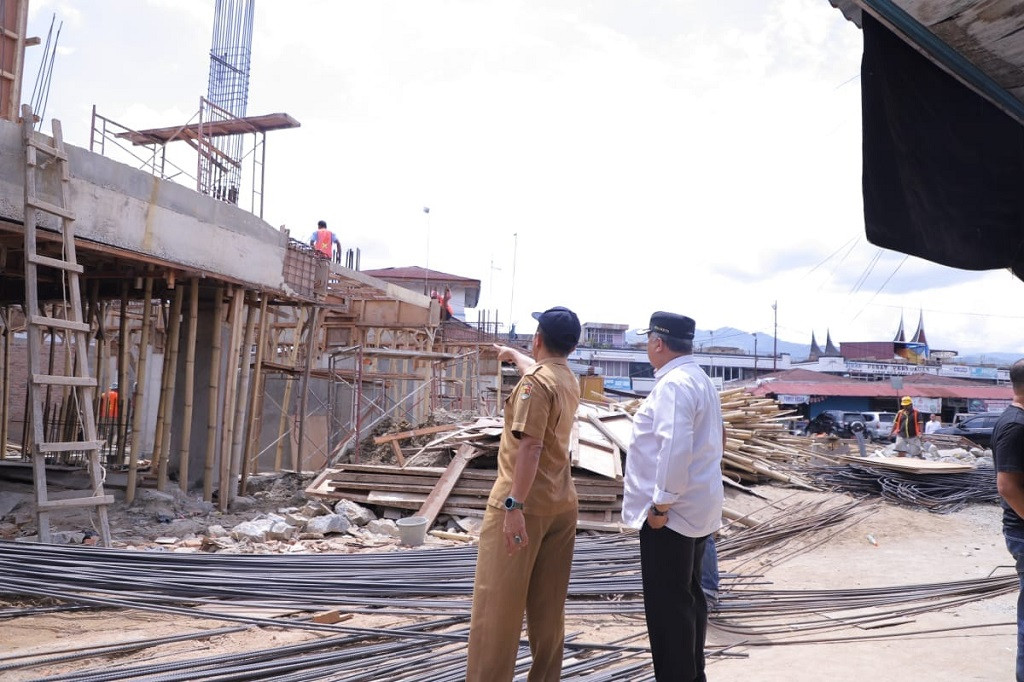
(907, 429)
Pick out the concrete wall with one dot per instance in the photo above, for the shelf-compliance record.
(121, 206)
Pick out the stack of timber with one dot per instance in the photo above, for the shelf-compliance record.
(758, 448)
(410, 488)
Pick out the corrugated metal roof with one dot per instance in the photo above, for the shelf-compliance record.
(414, 272)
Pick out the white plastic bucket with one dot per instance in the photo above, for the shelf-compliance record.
(412, 530)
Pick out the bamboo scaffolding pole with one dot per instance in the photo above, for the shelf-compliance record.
(255, 423)
(227, 483)
(99, 335)
(293, 355)
(50, 365)
(140, 391)
(311, 346)
(184, 451)
(123, 338)
(174, 334)
(5, 407)
(161, 415)
(214, 400)
(242, 401)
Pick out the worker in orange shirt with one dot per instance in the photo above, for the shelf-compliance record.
(326, 242)
(907, 429)
(108, 403)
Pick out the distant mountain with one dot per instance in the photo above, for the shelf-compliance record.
(997, 359)
(730, 337)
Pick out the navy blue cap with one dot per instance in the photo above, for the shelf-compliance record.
(670, 324)
(560, 324)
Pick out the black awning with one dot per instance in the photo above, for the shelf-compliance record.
(943, 168)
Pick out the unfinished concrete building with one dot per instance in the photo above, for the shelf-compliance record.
(154, 334)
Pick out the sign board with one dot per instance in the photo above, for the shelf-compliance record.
(930, 405)
(618, 383)
(789, 399)
(896, 382)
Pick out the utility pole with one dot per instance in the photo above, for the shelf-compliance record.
(775, 337)
(512, 296)
(426, 265)
(755, 356)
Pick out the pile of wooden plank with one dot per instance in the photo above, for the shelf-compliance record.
(410, 489)
(758, 448)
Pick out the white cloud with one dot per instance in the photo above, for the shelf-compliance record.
(692, 156)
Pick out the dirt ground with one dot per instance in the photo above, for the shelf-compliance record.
(892, 547)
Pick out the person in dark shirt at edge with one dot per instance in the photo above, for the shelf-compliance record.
(1008, 453)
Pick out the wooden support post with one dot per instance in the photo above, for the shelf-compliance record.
(227, 484)
(171, 349)
(242, 401)
(286, 399)
(311, 348)
(255, 421)
(190, 384)
(5, 411)
(161, 415)
(214, 401)
(123, 339)
(140, 391)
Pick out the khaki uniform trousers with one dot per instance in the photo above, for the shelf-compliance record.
(534, 580)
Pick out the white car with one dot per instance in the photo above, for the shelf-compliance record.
(878, 425)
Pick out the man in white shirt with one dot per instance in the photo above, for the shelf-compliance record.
(934, 423)
(673, 494)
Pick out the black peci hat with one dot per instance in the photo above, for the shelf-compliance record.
(560, 324)
(670, 324)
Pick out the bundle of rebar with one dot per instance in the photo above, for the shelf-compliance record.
(939, 493)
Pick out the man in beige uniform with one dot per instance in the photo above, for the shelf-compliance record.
(529, 527)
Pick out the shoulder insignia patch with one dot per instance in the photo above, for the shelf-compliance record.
(525, 393)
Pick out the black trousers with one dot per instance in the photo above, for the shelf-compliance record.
(677, 614)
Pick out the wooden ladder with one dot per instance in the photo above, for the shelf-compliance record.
(43, 155)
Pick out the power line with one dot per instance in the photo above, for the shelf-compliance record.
(887, 280)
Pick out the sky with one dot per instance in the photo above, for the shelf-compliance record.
(695, 156)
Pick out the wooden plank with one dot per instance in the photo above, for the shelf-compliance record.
(70, 446)
(67, 503)
(908, 464)
(57, 380)
(425, 431)
(397, 450)
(600, 460)
(57, 264)
(432, 506)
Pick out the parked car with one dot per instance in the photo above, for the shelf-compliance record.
(977, 428)
(797, 427)
(837, 423)
(879, 424)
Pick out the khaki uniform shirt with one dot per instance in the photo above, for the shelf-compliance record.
(543, 405)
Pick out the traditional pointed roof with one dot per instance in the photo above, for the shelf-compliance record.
(815, 349)
(919, 336)
(900, 336)
(830, 349)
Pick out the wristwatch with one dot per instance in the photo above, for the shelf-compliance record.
(657, 512)
(512, 503)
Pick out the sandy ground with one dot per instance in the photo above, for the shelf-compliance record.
(910, 547)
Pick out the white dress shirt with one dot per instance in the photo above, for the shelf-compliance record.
(675, 452)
